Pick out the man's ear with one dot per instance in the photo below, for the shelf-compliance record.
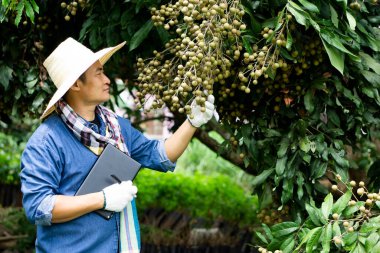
(76, 86)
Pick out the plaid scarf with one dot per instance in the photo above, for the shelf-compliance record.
(96, 143)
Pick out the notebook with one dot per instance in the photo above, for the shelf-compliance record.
(111, 166)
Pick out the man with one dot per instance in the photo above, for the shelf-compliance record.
(63, 149)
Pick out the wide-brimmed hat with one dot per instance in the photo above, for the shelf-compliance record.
(68, 62)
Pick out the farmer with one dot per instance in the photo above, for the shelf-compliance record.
(65, 146)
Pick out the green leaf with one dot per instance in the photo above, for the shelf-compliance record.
(309, 6)
(247, 43)
(309, 100)
(318, 168)
(288, 245)
(261, 237)
(359, 249)
(371, 77)
(336, 229)
(300, 18)
(304, 144)
(335, 41)
(372, 63)
(350, 238)
(35, 6)
(20, 10)
(336, 56)
(289, 40)
(140, 35)
(370, 226)
(287, 190)
(342, 202)
(340, 160)
(327, 206)
(31, 80)
(334, 17)
(376, 248)
(371, 241)
(372, 92)
(29, 10)
(38, 100)
(352, 209)
(300, 184)
(267, 231)
(259, 179)
(5, 76)
(284, 228)
(315, 214)
(284, 144)
(327, 236)
(306, 238)
(313, 240)
(351, 20)
(280, 165)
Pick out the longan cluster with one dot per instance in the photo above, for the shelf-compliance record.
(271, 216)
(72, 7)
(191, 64)
(277, 81)
(365, 211)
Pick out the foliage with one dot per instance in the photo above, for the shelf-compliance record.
(10, 154)
(18, 8)
(347, 224)
(295, 115)
(15, 221)
(208, 197)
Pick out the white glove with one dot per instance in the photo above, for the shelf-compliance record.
(117, 196)
(201, 118)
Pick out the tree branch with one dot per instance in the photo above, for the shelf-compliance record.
(226, 154)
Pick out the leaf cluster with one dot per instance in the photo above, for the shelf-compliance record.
(347, 224)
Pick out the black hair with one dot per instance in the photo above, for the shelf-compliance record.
(83, 77)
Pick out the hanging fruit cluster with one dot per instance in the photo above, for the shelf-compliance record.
(71, 8)
(208, 56)
(191, 64)
(273, 75)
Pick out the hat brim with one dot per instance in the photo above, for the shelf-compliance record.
(103, 56)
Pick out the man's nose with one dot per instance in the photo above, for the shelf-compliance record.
(106, 79)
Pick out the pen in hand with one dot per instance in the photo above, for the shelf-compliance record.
(119, 182)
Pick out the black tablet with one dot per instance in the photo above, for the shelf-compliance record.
(111, 165)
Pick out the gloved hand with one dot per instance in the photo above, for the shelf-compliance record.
(117, 196)
(200, 118)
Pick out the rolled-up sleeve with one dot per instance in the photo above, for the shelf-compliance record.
(150, 153)
(40, 176)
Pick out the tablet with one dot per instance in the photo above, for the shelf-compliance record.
(111, 165)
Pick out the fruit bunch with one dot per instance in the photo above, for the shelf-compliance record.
(273, 76)
(272, 215)
(191, 64)
(208, 56)
(71, 8)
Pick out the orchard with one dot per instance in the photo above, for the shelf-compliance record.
(296, 86)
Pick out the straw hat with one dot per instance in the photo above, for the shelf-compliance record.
(68, 62)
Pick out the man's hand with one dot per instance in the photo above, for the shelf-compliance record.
(200, 118)
(117, 196)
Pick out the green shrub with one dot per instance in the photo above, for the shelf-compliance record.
(208, 197)
(10, 154)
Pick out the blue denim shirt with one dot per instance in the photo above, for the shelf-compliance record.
(54, 162)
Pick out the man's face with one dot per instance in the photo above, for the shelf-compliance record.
(96, 87)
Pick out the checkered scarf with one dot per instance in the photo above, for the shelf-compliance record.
(96, 143)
